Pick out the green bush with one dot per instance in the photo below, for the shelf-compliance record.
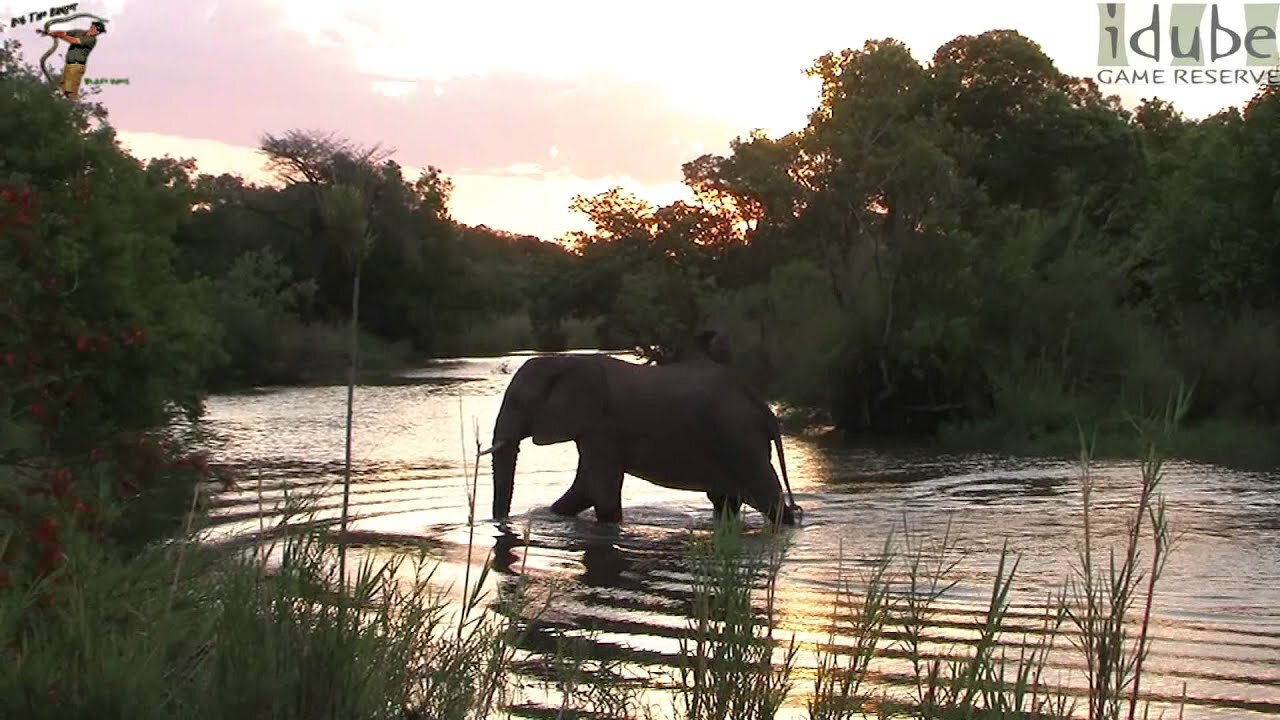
(103, 343)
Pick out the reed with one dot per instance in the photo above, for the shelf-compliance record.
(840, 679)
(1104, 593)
(728, 667)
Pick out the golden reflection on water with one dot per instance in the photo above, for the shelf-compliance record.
(1217, 620)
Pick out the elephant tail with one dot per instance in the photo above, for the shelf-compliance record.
(782, 465)
(775, 430)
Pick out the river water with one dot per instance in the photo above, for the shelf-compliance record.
(1216, 621)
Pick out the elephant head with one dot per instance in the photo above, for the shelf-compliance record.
(707, 346)
(551, 399)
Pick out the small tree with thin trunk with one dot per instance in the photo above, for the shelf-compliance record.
(346, 219)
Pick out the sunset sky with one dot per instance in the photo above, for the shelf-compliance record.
(524, 105)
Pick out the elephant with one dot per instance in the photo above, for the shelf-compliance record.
(687, 424)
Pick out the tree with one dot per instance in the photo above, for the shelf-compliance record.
(1041, 135)
(343, 206)
(753, 197)
(411, 275)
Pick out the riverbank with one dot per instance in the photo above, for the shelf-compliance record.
(1229, 443)
(1235, 444)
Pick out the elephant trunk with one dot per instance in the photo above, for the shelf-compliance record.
(508, 431)
(504, 477)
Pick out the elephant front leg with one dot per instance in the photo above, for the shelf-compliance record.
(601, 469)
(597, 483)
(725, 507)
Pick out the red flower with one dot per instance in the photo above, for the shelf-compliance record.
(96, 454)
(82, 343)
(39, 410)
(46, 532)
(60, 481)
(50, 559)
(10, 359)
(83, 509)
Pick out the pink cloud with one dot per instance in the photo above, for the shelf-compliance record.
(239, 73)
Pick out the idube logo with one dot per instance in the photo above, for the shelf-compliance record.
(1182, 44)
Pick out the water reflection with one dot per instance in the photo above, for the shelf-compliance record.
(504, 545)
(1217, 624)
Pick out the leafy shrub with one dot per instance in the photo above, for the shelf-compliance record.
(103, 343)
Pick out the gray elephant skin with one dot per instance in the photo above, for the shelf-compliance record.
(688, 425)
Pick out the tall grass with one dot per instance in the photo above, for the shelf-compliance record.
(345, 213)
(839, 686)
(998, 671)
(979, 679)
(1104, 597)
(728, 668)
(236, 641)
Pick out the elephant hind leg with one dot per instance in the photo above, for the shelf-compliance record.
(771, 503)
(755, 482)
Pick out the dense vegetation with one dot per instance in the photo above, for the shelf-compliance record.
(982, 240)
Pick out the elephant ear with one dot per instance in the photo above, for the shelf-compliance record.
(574, 403)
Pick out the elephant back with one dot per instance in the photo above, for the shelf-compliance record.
(657, 399)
